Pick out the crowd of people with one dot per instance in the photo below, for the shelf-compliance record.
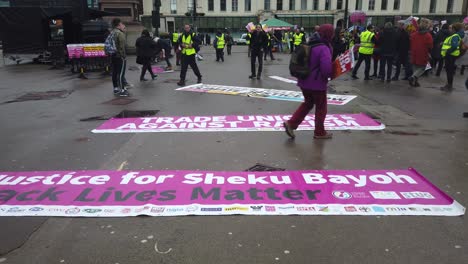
(423, 49)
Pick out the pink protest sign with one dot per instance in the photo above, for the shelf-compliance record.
(233, 123)
(170, 193)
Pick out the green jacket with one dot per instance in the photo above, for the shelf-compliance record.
(120, 42)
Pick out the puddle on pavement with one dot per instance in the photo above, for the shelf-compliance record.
(35, 96)
(120, 101)
(262, 167)
(136, 113)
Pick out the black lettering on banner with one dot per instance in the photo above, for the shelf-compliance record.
(6, 195)
(312, 194)
(83, 194)
(51, 194)
(120, 198)
(271, 192)
(145, 196)
(293, 194)
(214, 192)
(167, 195)
(106, 194)
(253, 192)
(234, 195)
(24, 196)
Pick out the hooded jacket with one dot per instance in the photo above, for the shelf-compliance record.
(388, 42)
(421, 45)
(320, 65)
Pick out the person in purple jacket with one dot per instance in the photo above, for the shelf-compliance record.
(314, 87)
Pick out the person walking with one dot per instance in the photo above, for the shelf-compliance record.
(207, 39)
(279, 40)
(421, 44)
(450, 52)
(314, 87)
(299, 38)
(437, 60)
(118, 59)
(145, 48)
(219, 43)
(388, 51)
(175, 46)
(291, 41)
(365, 52)
(229, 43)
(163, 48)
(403, 47)
(188, 41)
(269, 49)
(247, 41)
(258, 42)
(462, 61)
(376, 54)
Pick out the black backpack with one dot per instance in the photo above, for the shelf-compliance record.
(299, 62)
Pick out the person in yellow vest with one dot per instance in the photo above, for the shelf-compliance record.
(175, 45)
(247, 41)
(451, 51)
(188, 41)
(219, 43)
(299, 38)
(365, 52)
(291, 41)
(269, 49)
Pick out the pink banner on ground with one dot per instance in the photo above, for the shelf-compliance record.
(172, 193)
(233, 123)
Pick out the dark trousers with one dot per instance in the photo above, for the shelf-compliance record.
(118, 72)
(256, 54)
(450, 68)
(406, 64)
(186, 61)
(146, 67)
(311, 98)
(219, 54)
(438, 65)
(367, 59)
(269, 50)
(386, 61)
(229, 48)
(376, 65)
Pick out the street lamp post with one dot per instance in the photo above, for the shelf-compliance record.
(346, 15)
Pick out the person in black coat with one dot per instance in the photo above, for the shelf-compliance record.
(388, 50)
(146, 48)
(403, 46)
(258, 44)
(437, 60)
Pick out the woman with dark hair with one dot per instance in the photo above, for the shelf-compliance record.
(314, 87)
(146, 48)
(338, 43)
(437, 60)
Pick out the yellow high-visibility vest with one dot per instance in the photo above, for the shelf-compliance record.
(187, 41)
(448, 44)
(367, 47)
(298, 39)
(220, 42)
(249, 36)
(175, 37)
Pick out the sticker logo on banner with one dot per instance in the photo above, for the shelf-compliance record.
(285, 95)
(168, 193)
(233, 123)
